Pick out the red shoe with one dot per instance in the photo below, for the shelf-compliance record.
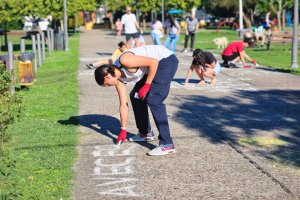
(247, 66)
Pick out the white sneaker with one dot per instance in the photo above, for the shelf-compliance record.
(185, 51)
(162, 150)
(143, 138)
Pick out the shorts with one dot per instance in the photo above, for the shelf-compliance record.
(230, 58)
(131, 35)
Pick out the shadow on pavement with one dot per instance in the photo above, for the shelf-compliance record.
(271, 115)
(103, 124)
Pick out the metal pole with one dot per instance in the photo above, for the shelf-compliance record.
(39, 49)
(162, 12)
(43, 47)
(11, 65)
(66, 26)
(295, 36)
(22, 46)
(49, 42)
(34, 51)
(52, 39)
(241, 17)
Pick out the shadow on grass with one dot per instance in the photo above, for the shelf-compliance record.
(103, 124)
(246, 114)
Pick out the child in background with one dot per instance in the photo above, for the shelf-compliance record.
(205, 64)
(115, 55)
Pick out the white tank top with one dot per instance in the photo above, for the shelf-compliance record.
(157, 52)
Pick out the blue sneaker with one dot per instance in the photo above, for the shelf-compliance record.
(143, 137)
(162, 149)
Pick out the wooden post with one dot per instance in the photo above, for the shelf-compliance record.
(49, 42)
(34, 51)
(39, 50)
(52, 39)
(22, 46)
(11, 65)
(43, 47)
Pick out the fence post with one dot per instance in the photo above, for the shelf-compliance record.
(11, 65)
(49, 42)
(22, 46)
(52, 39)
(39, 49)
(43, 46)
(34, 51)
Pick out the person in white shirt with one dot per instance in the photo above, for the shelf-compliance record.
(173, 33)
(131, 25)
(157, 31)
(151, 69)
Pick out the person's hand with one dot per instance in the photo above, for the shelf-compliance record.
(144, 91)
(141, 31)
(253, 62)
(122, 136)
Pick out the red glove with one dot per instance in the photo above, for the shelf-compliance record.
(253, 62)
(122, 136)
(144, 91)
(247, 66)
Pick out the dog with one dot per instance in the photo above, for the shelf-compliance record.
(221, 42)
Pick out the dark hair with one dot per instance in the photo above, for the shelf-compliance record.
(247, 40)
(121, 44)
(103, 71)
(171, 20)
(199, 55)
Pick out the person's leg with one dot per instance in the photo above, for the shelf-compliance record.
(127, 37)
(174, 43)
(157, 39)
(140, 109)
(210, 74)
(153, 38)
(186, 39)
(158, 93)
(168, 42)
(199, 72)
(192, 41)
(136, 39)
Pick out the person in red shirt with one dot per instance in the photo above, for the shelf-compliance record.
(235, 52)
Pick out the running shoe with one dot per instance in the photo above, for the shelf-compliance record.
(143, 137)
(162, 150)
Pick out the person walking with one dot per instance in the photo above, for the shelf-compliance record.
(191, 28)
(152, 86)
(173, 33)
(118, 27)
(131, 25)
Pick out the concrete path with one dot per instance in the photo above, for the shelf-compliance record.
(214, 130)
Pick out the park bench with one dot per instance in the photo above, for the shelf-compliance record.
(283, 37)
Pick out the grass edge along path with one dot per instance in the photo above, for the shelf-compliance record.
(42, 148)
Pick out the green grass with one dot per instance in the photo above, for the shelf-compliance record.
(278, 57)
(43, 149)
(264, 142)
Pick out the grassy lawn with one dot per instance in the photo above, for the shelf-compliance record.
(42, 151)
(278, 57)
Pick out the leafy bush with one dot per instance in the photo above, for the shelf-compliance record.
(10, 105)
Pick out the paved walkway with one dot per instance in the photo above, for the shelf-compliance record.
(214, 129)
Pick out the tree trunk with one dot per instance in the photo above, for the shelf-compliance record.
(283, 20)
(247, 21)
(279, 20)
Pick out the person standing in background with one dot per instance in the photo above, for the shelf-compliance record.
(173, 33)
(157, 31)
(118, 27)
(131, 25)
(191, 27)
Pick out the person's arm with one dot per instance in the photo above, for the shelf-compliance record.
(189, 72)
(185, 27)
(178, 28)
(131, 61)
(197, 27)
(123, 108)
(211, 65)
